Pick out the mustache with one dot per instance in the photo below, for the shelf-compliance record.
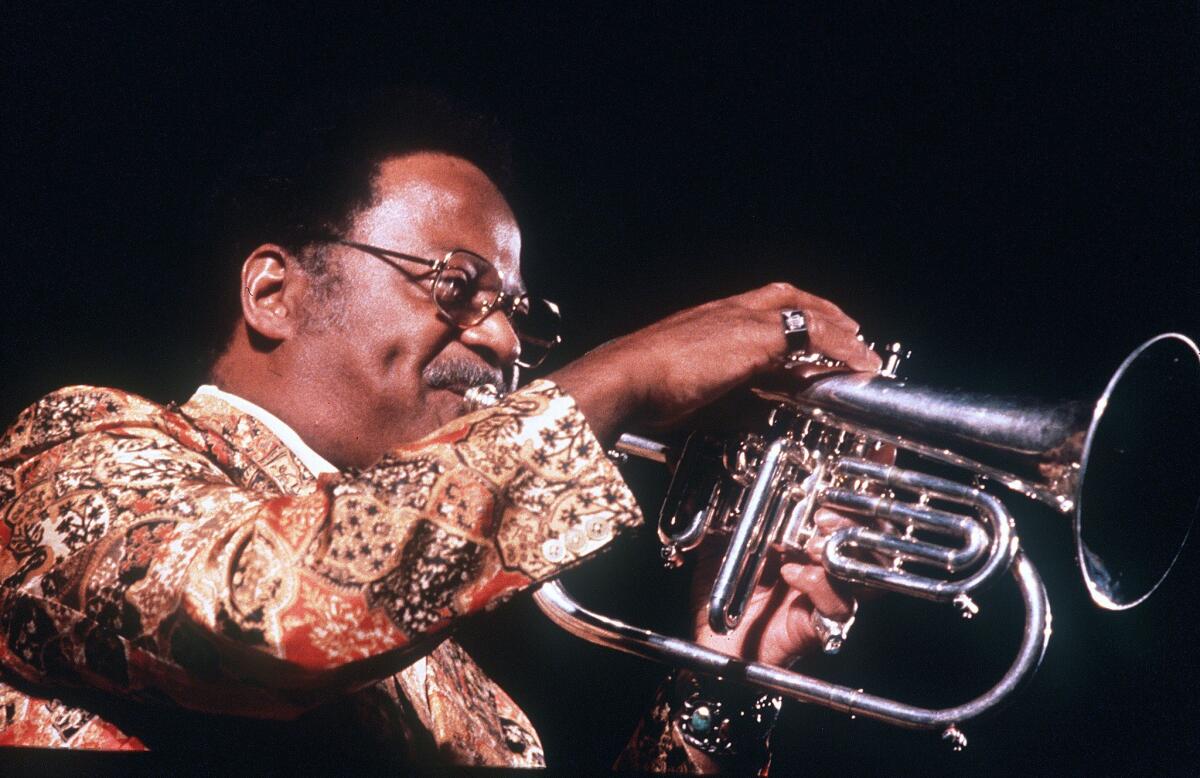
(458, 373)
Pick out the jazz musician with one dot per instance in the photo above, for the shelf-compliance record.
(278, 563)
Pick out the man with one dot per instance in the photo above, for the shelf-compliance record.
(277, 563)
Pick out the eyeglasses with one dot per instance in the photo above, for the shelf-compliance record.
(467, 289)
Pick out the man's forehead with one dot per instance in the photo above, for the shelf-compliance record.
(432, 203)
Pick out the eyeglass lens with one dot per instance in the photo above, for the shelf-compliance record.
(468, 285)
(537, 326)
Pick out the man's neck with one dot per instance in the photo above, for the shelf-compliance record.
(315, 463)
(267, 381)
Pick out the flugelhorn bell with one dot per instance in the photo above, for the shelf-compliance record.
(1139, 482)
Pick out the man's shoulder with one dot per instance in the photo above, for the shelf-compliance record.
(72, 411)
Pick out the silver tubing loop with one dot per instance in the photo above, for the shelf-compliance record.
(1003, 541)
(570, 615)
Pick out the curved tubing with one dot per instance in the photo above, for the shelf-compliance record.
(567, 613)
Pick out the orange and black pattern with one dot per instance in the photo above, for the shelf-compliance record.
(182, 557)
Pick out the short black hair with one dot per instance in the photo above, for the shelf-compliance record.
(309, 171)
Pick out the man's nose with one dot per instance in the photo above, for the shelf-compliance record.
(495, 334)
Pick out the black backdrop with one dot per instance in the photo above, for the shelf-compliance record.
(1011, 192)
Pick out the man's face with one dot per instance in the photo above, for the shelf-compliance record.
(389, 368)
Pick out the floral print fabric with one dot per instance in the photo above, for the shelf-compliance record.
(182, 556)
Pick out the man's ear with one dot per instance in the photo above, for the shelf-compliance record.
(272, 289)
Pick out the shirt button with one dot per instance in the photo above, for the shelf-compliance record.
(597, 529)
(553, 551)
(574, 540)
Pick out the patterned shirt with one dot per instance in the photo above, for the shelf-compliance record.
(175, 577)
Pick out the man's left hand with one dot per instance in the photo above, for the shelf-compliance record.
(777, 626)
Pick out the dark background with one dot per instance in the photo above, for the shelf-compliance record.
(1011, 192)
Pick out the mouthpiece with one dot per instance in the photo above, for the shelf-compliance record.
(482, 396)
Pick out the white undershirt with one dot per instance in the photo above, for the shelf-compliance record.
(315, 463)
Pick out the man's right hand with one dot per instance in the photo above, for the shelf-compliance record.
(660, 375)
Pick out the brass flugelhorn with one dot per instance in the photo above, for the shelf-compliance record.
(1123, 469)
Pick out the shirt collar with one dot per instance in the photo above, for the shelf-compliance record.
(316, 463)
